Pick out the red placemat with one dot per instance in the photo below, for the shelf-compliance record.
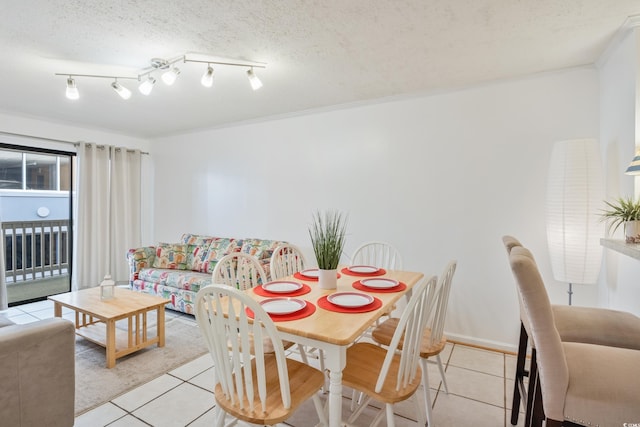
(380, 272)
(308, 279)
(323, 303)
(359, 286)
(307, 311)
(305, 289)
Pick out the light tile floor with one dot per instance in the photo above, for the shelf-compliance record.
(480, 391)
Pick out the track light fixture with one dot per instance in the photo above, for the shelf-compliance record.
(146, 86)
(253, 79)
(169, 76)
(72, 90)
(121, 90)
(207, 77)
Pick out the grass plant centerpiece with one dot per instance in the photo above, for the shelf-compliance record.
(327, 238)
(623, 211)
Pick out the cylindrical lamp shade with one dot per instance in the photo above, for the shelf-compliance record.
(575, 194)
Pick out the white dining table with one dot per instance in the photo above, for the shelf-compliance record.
(333, 332)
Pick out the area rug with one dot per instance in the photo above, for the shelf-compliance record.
(95, 384)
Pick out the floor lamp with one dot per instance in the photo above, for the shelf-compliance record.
(575, 193)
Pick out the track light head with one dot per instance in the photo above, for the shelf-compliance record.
(146, 86)
(253, 79)
(121, 90)
(169, 77)
(207, 77)
(72, 90)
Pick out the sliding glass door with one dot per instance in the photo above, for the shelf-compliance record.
(35, 213)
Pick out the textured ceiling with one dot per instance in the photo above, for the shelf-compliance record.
(319, 53)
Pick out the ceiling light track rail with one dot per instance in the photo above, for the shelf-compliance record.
(97, 76)
(170, 73)
(233, 64)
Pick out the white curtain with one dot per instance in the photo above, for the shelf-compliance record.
(108, 213)
(125, 208)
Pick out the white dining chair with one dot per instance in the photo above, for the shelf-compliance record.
(393, 374)
(382, 255)
(433, 339)
(286, 261)
(243, 271)
(377, 254)
(239, 270)
(250, 384)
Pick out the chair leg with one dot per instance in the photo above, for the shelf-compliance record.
(361, 407)
(427, 391)
(390, 418)
(444, 378)
(422, 412)
(354, 399)
(320, 410)
(531, 391)
(219, 422)
(303, 354)
(537, 412)
(520, 374)
(376, 420)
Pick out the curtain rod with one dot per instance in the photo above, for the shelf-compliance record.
(75, 143)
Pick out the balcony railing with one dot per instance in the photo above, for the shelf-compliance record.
(35, 249)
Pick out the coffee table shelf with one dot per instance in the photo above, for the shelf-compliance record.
(96, 319)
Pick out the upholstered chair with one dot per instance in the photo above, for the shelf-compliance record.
(574, 324)
(579, 383)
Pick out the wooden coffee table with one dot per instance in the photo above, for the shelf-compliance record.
(96, 319)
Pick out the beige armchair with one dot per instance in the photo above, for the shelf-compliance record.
(37, 373)
(579, 383)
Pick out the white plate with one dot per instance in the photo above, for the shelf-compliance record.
(379, 283)
(350, 299)
(283, 305)
(363, 269)
(281, 286)
(312, 273)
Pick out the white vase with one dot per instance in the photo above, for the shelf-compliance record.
(632, 231)
(327, 279)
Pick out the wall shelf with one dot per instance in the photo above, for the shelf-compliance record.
(629, 249)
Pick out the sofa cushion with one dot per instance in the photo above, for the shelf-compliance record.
(218, 248)
(170, 255)
(187, 280)
(260, 248)
(204, 252)
(180, 279)
(196, 239)
(140, 258)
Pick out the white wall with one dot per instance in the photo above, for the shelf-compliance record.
(618, 71)
(440, 177)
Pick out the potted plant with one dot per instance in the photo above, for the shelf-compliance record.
(624, 211)
(327, 238)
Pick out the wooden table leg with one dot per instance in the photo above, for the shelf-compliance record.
(111, 343)
(160, 325)
(336, 357)
(57, 309)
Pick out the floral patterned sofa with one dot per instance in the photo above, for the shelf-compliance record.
(177, 271)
